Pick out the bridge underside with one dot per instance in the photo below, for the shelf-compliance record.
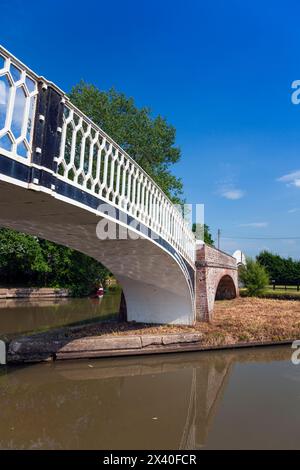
(155, 287)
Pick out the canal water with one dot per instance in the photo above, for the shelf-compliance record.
(238, 399)
(247, 398)
(23, 316)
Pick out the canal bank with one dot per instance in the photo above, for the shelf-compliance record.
(237, 323)
(44, 349)
(33, 293)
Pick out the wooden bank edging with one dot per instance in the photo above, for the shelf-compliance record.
(39, 349)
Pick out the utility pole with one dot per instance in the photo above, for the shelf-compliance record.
(219, 236)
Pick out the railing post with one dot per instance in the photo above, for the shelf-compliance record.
(47, 132)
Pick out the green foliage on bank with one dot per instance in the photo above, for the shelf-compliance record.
(254, 277)
(29, 261)
(284, 271)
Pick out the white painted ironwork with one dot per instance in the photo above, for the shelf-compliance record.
(18, 91)
(89, 159)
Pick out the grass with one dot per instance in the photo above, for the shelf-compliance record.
(282, 291)
(290, 293)
(279, 287)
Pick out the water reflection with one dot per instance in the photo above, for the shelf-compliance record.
(21, 316)
(183, 401)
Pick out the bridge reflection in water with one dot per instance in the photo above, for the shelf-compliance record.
(165, 402)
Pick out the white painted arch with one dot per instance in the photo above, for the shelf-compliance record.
(56, 170)
(155, 282)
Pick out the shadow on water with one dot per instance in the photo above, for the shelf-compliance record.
(224, 399)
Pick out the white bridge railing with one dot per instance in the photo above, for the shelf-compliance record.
(18, 92)
(91, 160)
(88, 158)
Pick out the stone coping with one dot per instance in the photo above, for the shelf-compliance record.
(41, 349)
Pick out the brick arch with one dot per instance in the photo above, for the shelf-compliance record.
(214, 268)
(226, 288)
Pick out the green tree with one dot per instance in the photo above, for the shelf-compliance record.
(281, 270)
(30, 261)
(149, 141)
(86, 273)
(21, 258)
(254, 276)
(273, 264)
(208, 239)
(72, 269)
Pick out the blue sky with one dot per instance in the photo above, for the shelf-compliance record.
(220, 72)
